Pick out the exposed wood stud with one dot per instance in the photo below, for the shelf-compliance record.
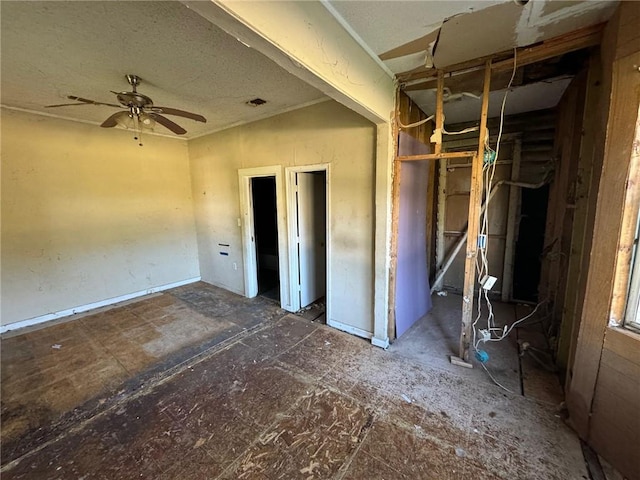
(436, 156)
(475, 201)
(442, 204)
(439, 113)
(395, 202)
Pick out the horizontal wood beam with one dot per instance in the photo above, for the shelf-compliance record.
(558, 46)
(435, 156)
(467, 82)
(570, 42)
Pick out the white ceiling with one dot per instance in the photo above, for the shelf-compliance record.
(54, 49)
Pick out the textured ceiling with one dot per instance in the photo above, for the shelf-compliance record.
(54, 49)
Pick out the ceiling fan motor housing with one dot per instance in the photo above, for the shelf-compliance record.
(134, 99)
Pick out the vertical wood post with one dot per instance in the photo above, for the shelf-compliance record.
(442, 206)
(475, 204)
(439, 112)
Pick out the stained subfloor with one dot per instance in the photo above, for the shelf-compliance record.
(268, 396)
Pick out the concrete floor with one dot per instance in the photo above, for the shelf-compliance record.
(434, 338)
(200, 383)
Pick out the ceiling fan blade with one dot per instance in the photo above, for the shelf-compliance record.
(92, 102)
(112, 121)
(65, 105)
(164, 121)
(179, 113)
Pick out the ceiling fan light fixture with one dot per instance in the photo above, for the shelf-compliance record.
(145, 121)
(125, 120)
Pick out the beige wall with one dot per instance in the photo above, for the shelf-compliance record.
(323, 133)
(88, 215)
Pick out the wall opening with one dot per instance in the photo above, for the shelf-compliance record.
(265, 225)
(311, 232)
(530, 243)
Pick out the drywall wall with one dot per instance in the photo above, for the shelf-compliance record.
(412, 291)
(326, 133)
(88, 215)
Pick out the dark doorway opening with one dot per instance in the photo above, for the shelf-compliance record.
(265, 227)
(533, 217)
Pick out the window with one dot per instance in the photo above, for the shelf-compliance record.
(632, 315)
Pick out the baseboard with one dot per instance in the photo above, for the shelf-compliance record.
(90, 306)
(350, 329)
(376, 342)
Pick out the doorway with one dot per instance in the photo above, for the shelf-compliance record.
(307, 193)
(264, 241)
(265, 227)
(530, 243)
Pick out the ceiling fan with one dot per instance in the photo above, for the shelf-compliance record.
(140, 111)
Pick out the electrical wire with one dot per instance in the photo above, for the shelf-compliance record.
(495, 381)
(506, 331)
(482, 266)
(415, 124)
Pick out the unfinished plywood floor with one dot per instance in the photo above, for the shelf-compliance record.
(288, 398)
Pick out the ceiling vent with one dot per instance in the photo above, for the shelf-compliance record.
(256, 102)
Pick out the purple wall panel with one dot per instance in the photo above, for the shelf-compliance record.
(413, 299)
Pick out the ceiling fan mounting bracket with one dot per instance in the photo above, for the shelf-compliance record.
(133, 80)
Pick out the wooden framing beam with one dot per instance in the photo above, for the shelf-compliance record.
(440, 226)
(395, 211)
(436, 156)
(570, 42)
(439, 114)
(475, 205)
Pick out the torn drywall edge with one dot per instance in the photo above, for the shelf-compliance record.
(415, 46)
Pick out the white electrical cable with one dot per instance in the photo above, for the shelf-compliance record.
(488, 171)
(416, 124)
(495, 381)
(507, 331)
(461, 132)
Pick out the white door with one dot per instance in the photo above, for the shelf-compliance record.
(311, 235)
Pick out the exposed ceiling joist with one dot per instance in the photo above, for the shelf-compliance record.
(469, 82)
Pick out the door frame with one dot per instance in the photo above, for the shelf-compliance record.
(291, 217)
(246, 223)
